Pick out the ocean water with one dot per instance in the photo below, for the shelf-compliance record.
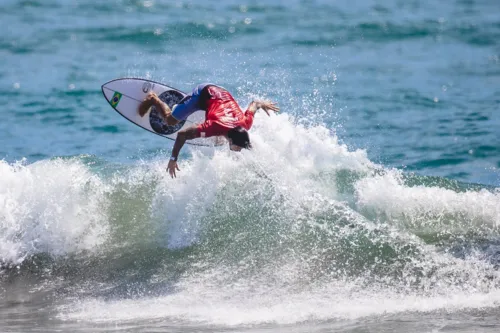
(371, 203)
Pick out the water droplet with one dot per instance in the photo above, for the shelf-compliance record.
(248, 20)
(436, 99)
(16, 85)
(231, 29)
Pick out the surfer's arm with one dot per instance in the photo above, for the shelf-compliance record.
(264, 105)
(183, 135)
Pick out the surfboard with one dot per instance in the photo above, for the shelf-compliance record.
(125, 94)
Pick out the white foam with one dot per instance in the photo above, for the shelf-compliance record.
(289, 159)
(52, 207)
(240, 307)
(432, 208)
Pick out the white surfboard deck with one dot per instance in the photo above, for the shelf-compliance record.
(125, 94)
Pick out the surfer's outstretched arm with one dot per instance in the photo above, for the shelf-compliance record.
(183, 135)
(264, 105)
(152, 99)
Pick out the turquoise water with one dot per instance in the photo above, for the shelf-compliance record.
(370, 203)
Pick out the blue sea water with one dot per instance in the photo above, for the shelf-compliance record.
(370, 203)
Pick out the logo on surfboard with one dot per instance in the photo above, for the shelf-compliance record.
(146, 87)
(116, 99)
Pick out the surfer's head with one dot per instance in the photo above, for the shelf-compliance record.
(238, 139)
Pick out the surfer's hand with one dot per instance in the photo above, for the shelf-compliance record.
(264, 105)
(268, 106)
(172, 166)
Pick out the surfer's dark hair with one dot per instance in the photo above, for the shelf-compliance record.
(239, 136)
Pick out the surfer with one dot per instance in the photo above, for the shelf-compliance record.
(223, 117)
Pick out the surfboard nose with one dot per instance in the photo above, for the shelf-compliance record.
(108, 93)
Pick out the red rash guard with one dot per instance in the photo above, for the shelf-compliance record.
(223, 114)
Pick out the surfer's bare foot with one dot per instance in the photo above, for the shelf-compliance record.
(144, 108)
(162, 108)
(147, 103)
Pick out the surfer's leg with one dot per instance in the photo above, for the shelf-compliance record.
(153, 100)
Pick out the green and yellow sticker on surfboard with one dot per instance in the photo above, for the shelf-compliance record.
(116, 99)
